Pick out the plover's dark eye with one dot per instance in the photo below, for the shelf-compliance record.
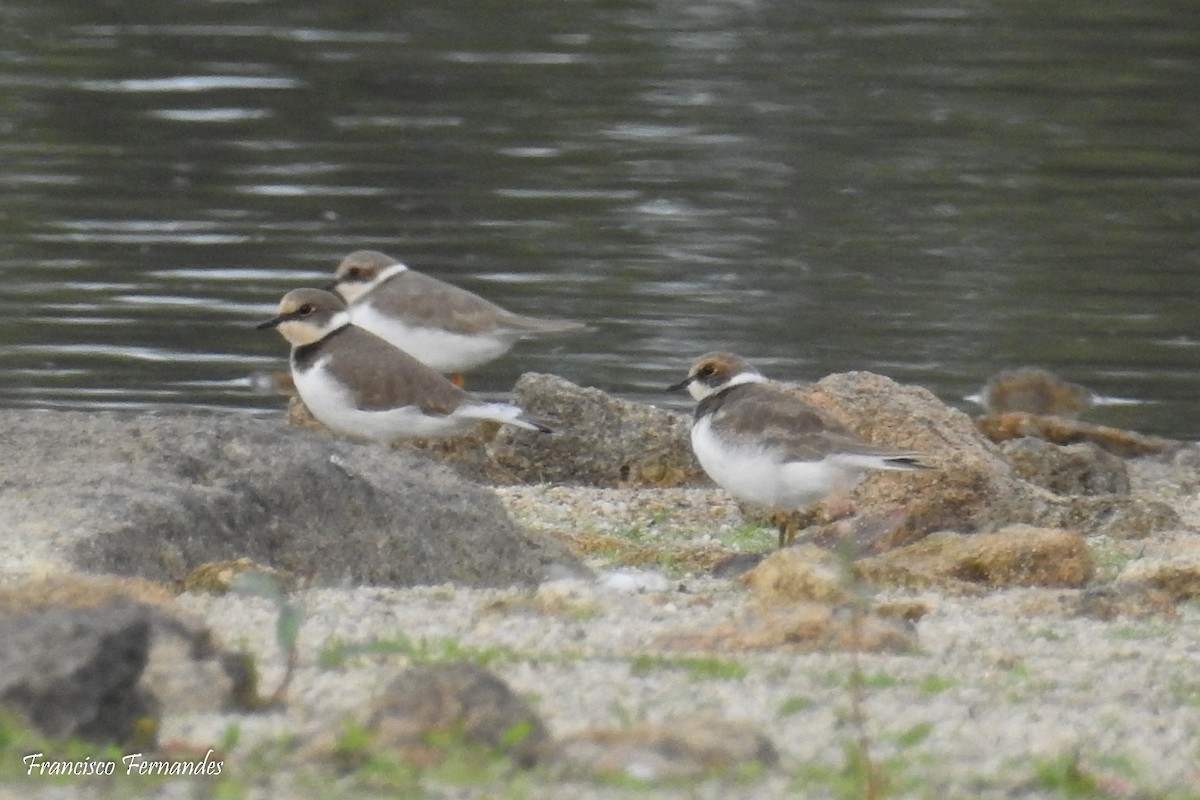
(353, 273)
(305, 309)
(706, 371)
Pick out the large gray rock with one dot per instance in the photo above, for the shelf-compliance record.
(76, 672)
(155, 496)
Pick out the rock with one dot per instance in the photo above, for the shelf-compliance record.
(1179, 576)
(1127, 444)
(972, 485)
(599, 440)
(221, 576)
(1098, 601)
(1019, 555)
(865, 533)
(1138, 520)
(689, 747)
(1035, 391)
(156, 496)
(737, 564)
(1116, 516)
(801, 572)
(1083, 468)
(458, 700)
(1124, 599)
(635, 581)
(185, 670)
(804, 627)
(76, 673)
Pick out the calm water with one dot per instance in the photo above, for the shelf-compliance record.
(933, 191)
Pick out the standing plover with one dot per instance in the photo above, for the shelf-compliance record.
(767, 447)
(359, 385)
(444, 327)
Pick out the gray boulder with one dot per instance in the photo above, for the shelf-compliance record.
(156, 496)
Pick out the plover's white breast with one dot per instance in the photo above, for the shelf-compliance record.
(438, 348)
(755, 473)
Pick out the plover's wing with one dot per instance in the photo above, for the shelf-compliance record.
(424, 301)
(792, 430)
(387, 377)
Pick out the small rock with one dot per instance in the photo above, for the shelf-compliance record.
(737, 564)
(186, 670)
(219, 576)
(600, 440)
(907, 610)
(801, 572)
(1124, 599)
(1102, 602)
(1127, 444)
(459, 700)
(1035, 391)
(1179, 576)
(1083, 468)
(1115, 516)
(77, 672)
(689, 747)
(863, 534)
(804, 627)
(1139, 520)
(632, 581)
(1020, 555)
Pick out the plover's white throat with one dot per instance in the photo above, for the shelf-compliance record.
(767, 447)
(445, 327)
(359, 385)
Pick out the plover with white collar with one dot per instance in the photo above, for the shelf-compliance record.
(359, 385)
(769, 448)
(441, 325)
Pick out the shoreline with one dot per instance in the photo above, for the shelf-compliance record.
(1007, 691)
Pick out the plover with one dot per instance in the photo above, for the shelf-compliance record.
(767, 447)
(359, 385)
(447, 328)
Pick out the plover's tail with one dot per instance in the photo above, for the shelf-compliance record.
(883, 460)
(507, 414)
(522, 326)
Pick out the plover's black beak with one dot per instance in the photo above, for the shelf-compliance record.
(683, 384)
(271, 323)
